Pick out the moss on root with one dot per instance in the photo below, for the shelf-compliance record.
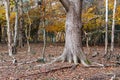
(87, 62)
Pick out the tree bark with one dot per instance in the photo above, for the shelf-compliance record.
(87, 41)
(73, 43)
(66, 4)
(15, 28)
(113, 26)
(21, 24)
(44, 33)
(28, 33)
(118, 39)
(6, 2)
(106, 32)
(4, 34)
(0, 32)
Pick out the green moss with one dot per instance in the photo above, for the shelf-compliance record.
(87, 62)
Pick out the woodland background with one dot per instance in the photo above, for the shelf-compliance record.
(36, 32)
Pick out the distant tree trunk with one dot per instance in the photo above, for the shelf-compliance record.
(113, 26)
(15, 28)
(0, 32)
(6, 2)
(28, 34)
(28, 38)
(21, 25)
(44, 46)
(44, 34)
(118, 39)
(87, 41)
(4, 34)
(73, 44)
(60, 37)
(106, 31)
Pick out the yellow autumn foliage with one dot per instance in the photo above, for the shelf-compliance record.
(57, 27)
(118, 15)
(12, 17)
(2, 13)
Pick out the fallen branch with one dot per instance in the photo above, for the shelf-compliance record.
(27, 62)
(53, 61)
(48, 70)
(7, 67)
(116, 62)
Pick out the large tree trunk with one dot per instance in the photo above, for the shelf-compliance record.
(73, 43)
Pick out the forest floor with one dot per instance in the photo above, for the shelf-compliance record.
(28, 67)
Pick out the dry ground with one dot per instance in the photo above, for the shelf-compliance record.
(26, 67)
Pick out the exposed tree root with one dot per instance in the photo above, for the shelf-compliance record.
(95, 64)
(76, 59)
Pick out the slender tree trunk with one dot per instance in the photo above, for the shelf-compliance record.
(58, 36)
(3, 34)
(118, 39)
(6, 2)
(106, 31)
(44, 34)
(73, 44)
(113, 26)
(15, 28)
(21, 24)
(44, 46)
(0, 32)
(28, 36)
(87, 41)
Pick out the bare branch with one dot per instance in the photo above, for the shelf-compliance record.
(96, 17)
(65, 3)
